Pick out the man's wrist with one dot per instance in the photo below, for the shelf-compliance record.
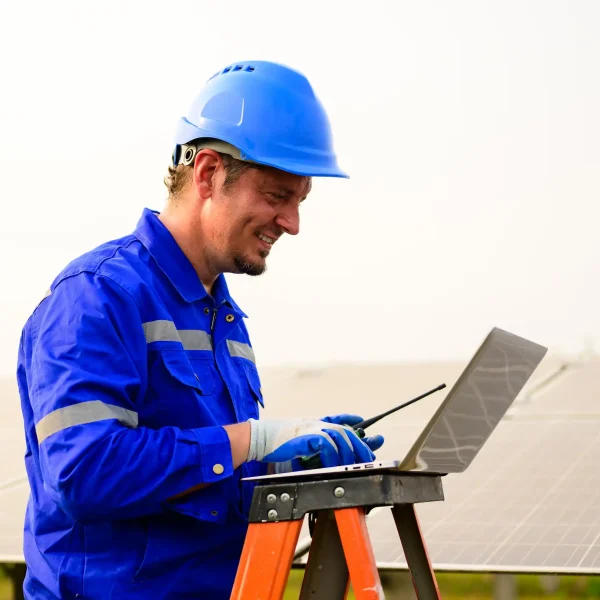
(239, 441)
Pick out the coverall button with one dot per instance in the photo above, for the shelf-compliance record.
(214, 513)
(229, 318)
(218, 469)
(206, 310)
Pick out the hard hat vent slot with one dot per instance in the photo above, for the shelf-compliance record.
(233, 68)
(247, 68)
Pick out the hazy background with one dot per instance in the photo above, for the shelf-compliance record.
(470, 129)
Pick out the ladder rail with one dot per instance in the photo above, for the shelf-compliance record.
(415, 552)
(326, 556)
(341, 550)
(266, 560)
(364, 574)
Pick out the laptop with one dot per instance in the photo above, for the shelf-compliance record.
(466, 418)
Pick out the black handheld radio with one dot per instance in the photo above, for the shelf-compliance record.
(314, 462)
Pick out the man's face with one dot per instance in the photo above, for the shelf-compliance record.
(242, 221)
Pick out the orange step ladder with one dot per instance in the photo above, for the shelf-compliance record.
(341, 549)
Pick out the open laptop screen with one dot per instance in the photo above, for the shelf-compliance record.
(475, 404)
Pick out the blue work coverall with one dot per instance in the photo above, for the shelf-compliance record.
(127, 371)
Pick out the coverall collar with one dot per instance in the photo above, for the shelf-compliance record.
(162, 246)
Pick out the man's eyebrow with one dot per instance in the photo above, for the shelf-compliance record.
(285, 190)
(277, 186)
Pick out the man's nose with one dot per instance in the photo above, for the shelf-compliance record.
(289, 218)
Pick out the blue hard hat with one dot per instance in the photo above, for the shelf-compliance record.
(267, 111)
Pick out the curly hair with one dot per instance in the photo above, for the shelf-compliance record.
(176, 179)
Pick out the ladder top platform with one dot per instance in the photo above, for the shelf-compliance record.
(291, 499)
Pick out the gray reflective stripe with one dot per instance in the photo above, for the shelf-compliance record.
(241, 350)
(160, 331)
(165, 331)
(81, 414)
(195, 339)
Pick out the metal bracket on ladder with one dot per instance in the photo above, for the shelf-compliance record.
(341, 549)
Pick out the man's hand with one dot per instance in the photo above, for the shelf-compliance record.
(286, 440)
(374, 442)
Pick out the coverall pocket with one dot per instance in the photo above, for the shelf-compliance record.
(187, 369)
(254, 383)
(178, 389)
(253, 396)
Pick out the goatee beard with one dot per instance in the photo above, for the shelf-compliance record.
(248, 268)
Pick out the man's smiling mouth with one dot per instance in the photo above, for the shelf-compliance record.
(266, 239)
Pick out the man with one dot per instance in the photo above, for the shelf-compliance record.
(137, 377)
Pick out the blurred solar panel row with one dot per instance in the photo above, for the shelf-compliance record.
(530, 502)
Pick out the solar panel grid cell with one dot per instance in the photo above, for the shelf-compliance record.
(529, 501)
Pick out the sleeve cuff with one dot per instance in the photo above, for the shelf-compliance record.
(214, 453)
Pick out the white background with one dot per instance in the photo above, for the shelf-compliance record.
(471, 132)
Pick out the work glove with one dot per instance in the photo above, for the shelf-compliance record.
(275, 441)
(374, 442)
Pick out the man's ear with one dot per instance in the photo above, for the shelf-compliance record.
(206, 165)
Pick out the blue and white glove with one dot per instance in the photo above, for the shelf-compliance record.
(286, 440)
(374, 442)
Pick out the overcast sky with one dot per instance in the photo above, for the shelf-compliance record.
(471, 131)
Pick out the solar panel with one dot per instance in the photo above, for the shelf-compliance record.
(575, 390)
(366, 389)
(13, 498)
(530, 502)
(14, 488)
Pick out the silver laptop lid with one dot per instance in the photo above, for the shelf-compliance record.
(475, 405)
